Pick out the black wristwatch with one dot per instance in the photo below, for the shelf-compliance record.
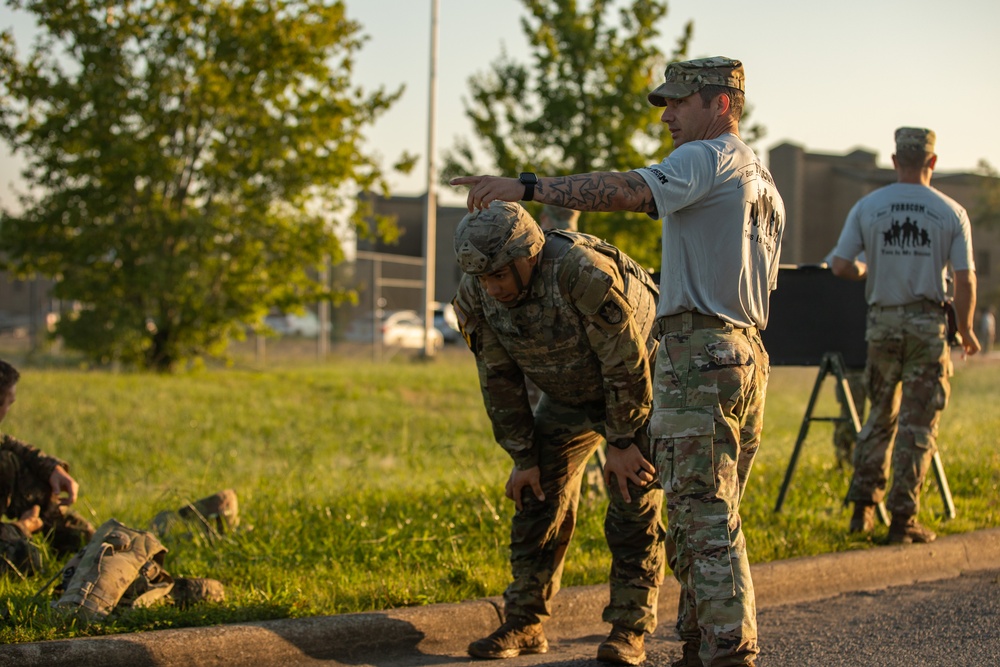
(529, 181)
(621, 443)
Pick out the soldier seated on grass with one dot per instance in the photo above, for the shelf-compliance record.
(36, 491)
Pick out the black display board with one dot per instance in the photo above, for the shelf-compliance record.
(814, 312)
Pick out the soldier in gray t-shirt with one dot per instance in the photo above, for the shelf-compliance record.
(723, 221)
(911, 234)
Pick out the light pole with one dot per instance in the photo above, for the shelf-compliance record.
(430, 212)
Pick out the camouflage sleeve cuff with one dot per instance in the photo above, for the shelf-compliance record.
(612, 435)
(524, 458)
(49, 464)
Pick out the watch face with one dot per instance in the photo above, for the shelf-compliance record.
(527, 178)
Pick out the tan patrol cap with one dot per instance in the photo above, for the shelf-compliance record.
(688, 77)
(915, 138)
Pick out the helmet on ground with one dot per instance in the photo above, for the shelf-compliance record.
(492, 238)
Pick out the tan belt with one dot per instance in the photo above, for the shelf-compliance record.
(692, 319)
(922, 306)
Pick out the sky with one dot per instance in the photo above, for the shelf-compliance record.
(830, 77)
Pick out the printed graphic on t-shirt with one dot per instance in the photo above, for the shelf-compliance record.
(660, 176)
(905, 236)
(763, 220)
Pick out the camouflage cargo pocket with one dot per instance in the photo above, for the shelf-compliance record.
(730, 367)
(942, 390)
(712, 563)
(683, 448)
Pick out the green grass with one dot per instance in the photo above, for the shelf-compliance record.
(369, 486)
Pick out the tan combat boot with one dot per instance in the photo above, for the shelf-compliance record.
(906, 530)
(215, 515)
(863, 519)
(192, 590)
(511, 639)
(623, 647)
(219, 512)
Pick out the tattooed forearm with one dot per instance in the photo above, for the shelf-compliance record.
(598, 191)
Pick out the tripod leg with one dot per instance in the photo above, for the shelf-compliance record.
(803, 430)
(942, 480)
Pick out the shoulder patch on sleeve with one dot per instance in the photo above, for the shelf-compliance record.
(614, 313)
(597, 293)
(611, 312)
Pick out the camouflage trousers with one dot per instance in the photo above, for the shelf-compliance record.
(907, 381)
(20, 489)
(708, 396)
(566, 438)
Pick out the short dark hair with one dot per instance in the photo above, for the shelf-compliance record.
(8, 376)
(912, 158)
(736, 98)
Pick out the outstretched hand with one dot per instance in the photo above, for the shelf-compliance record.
(485, 189)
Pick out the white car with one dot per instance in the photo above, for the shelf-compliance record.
(405, 329)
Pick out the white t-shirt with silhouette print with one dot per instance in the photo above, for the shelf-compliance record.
(910, 234)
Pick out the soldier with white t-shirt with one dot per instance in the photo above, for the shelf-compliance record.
(722, 221)
(911, 234)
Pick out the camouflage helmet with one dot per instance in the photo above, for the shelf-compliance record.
(492, 238)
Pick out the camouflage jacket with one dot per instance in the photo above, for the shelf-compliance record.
(582, 335)
(34, 459)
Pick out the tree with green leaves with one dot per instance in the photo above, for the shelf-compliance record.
(187, 163)
(579, 106)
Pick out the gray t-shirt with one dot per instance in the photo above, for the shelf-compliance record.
(723, 220)
(910, 233)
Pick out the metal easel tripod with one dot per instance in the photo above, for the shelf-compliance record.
(833, 363)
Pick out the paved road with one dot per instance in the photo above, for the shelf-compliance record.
(953, 622)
